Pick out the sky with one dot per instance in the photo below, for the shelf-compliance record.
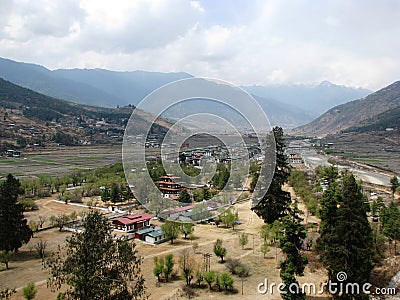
(348, 42)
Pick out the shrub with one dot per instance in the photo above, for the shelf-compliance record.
(236, 267)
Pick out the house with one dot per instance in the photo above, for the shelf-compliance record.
(155, 237)
(132, 223)
(152, 235)
(13, 153)
(295, 158)
(169, 187)
(141, 233)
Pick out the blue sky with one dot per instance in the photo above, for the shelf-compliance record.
(246, 42)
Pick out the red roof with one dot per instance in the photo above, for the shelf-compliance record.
(134, 218)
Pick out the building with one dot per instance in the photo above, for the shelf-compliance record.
(132, 223)
(175, 213)
(155, 237)
(295, 158)
(152, 235)
(141, 233)
(12, 153)
(169, 187)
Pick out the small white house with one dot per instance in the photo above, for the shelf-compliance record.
(155, 237)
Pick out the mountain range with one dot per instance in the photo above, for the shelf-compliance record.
(28, 117)
(313, 98)
(286, 105)
(376, 112)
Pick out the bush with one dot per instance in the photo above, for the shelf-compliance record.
(29, 291)
(28, 204)
(237, 268)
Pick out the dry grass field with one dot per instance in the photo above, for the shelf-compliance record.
(27, 266)
(61, 160)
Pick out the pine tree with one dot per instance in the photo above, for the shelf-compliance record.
(290, 241)
(346, 236)
(394, 181)
(184, 196)
(14, 227)
(115, 193)
(95, 265)
(274, 205)
(390, 217)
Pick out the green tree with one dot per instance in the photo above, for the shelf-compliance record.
(14, 227)
(168, 266)
(187, 229)
(394, 181)
(390, 217)
(105, 195)
(274, 204)
(60, 296)
(59, 221)
(95, 265)
(226, 281)
(209, 277)
(184, 196)
(243, 239)
(221, 176)
(345, 244)
(5, 257)
(34, 226)
(115, 193)
(264, 248)
(199, 276)
(330, 173)
(29, 291)
(158, 267)
(229, 218)
(206, 193)
(219, 250)
(291, 239)
(171, 230)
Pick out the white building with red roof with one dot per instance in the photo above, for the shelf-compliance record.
(132, 223)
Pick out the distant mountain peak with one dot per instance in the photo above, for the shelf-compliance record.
(326, 83)
(374, 111)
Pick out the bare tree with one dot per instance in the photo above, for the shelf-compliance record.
(40, 248)
(41, 221)
(187, 265)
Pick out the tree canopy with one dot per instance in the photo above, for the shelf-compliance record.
(274, 204)
(345, 244)
(14, 227)
(95, 265)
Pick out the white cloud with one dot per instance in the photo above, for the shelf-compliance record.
(347, 42)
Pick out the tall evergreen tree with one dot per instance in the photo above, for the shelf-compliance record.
(14, 229)
(95, 265)
(390, 217)
(346, 238)
(184, 196)
(274, 205)
(291, 239)
(394, 181)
